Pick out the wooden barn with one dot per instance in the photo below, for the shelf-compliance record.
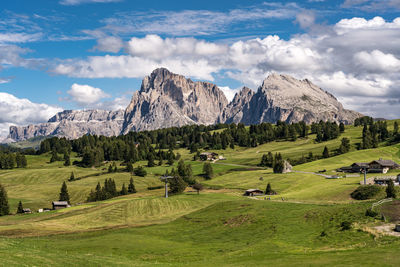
(253, 192)
(60, 205)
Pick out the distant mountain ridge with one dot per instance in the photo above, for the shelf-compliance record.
(166, 99)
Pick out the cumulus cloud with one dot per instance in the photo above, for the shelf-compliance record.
(353, 58)
(109, 44)
(21, 111)
(86, 95)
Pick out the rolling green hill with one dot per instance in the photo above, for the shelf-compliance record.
(301, 225)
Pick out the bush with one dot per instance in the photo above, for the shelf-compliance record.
(140, 171)
(365, 192)
(371, 213)
(346, 225)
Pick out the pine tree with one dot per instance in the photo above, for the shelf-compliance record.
(20, 208)
(64, 196)
(72, 177)
(341, 127)
(67, 159)
(395, 128)
(325, 153)
(140, 171)
(124, 191)
(177, 185)
(150, 162)
(278, 163)
(110, 169)
(54, 156)
(390, 190)
(268, 190)
(131, 187)
(4, 207)
(208, 171)
(129, 167)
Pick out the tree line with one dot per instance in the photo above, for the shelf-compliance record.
(12, 160)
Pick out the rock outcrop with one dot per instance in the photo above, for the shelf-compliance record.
(166, 99)
(73, 124)
(282, 97)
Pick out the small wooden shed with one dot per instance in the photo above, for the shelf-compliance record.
(60, 205)
(253, 192)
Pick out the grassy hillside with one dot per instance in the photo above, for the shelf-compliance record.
(218, 227)
(230, 233)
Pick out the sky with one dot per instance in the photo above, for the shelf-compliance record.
(86, 54)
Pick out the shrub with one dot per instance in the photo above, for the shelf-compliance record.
(365, 192)
(371, 213)
(346, 225)
(140, 171)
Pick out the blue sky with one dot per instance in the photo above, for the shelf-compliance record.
(75, 54)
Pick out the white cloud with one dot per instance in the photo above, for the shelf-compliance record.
(376, 61)
(19, 37)
(229, 93)
(194, 22)
(86, 95)
(353, 58)
(109, 44)
(79, 2)
(17, 111)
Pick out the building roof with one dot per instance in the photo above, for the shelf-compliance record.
(360, 164)
(60, 203)
(253, 190)
(385, 162)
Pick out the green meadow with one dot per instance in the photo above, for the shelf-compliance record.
(300, 226)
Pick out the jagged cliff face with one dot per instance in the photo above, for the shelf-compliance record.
(282, 97)
(166, 99)
(73, 124)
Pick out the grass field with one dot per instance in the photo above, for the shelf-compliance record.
(217, 227)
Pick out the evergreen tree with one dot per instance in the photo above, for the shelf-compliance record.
(64, 196)
(344, 146)
(396, 128)
(131, 187)
(4, 207)
(325, 153)
(20, 208)
(110, 169)
(390, 190)
(269, 191)
(54, 156)
(177, 185)
(140, 171)
(278, 163)
(115, 168)
(160, 162)
(129, 167)
(341, 127)
(72, 177)
(208, 171)
(124, 191)
(150, 162)
(67, 159)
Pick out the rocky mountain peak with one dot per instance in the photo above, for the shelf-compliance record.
(167, 99)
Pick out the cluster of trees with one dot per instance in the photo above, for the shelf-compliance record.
(159, 144)
(109, 190)
(12, 160)
(326, 130)
(374, 133)
(276, 162)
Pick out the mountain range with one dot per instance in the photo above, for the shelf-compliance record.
(166, 100)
